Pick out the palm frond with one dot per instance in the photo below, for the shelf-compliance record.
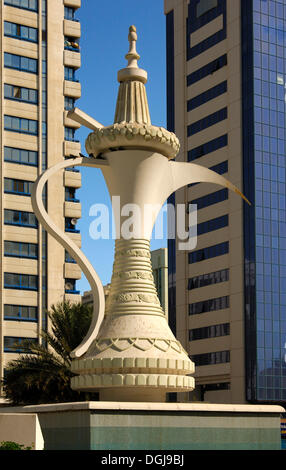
(42, 374)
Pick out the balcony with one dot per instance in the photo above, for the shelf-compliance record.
(72, 28)
(70, 122)
(72, 3)
(72, 58)
(72, 271)
(72, 297)
(71, 148)
(72, 179)
(72, 88)
(72, 210)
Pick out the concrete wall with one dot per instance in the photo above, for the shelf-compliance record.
(24, 429)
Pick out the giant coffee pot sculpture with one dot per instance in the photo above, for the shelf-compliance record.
(129, 353)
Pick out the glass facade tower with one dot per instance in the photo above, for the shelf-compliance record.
(226, 95)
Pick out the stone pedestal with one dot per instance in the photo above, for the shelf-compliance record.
(156, 426)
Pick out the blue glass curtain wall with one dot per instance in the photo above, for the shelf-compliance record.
(264, 78)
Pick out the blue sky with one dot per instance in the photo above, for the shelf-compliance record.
(104, 43)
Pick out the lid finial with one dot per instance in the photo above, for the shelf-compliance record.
(132, 71)
(132, 55)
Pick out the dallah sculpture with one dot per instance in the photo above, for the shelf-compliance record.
(129, 353)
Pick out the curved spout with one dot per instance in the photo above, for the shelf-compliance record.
(72, 248)
(187, 173)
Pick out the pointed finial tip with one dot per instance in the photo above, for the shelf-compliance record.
(132, 36)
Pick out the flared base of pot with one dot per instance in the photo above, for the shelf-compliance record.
(133, 387)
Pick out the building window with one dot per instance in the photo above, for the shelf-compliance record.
(206, 70)
(208, 121)
(44, 68)
(70, 195)
(23, 188)
(69, 103)
(20, 281)
(69, 258)
(18, 31)
(210, 199)
(70, 134)
(21, 125)
(70, 287)
(70, 225)
(208, 147)
(220, 168)
(21, 218)
(206, 96)
(218, 357)
(213, 331)
(199, 14)
(25, 4)
(217, 386)
(18, 62)
(209, 305)
(20, 312)
(209, 252)
(70, 74)
(21, 249)
(17, 93)
(212, 225)
(204, 280)
(12, 344)
(21, 156)
(203, 6)
(69, 13)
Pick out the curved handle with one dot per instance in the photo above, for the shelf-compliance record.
(72, 248)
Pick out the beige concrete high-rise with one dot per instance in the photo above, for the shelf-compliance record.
(159, 260)
(226, 104)
(40, 56)
(220, 381)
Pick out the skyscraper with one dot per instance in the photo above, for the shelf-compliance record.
(226, 103)
(159, 261)
(40, 56)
